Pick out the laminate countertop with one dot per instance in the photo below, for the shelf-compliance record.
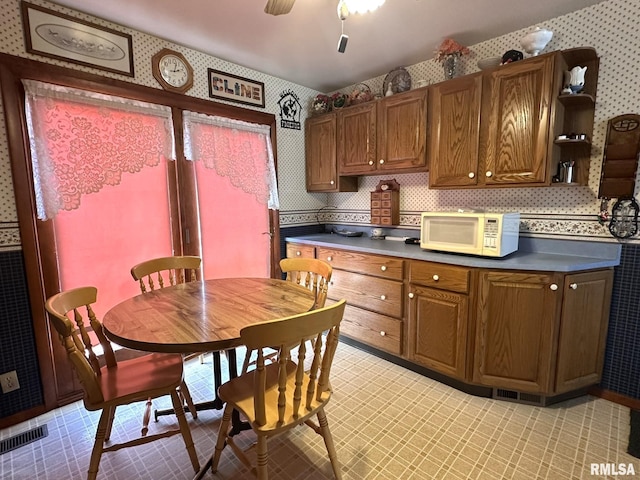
(547, 255)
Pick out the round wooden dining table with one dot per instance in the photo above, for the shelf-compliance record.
(202, 316)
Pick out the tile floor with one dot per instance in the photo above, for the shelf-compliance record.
(388, 423)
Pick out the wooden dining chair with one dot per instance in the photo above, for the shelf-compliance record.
(276, 397)
(117, 382)
(311, 273)
(164, 272)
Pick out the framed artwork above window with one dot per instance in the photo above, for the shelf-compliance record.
(56, 35)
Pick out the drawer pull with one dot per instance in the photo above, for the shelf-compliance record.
(489, 173)
(370, 162)
(381, 161)
(383, 297)
(383, 333)
(332, 182)
(298, 253)
(411, 295)
(553, 287)
(573, 286)
(436, 278)
(471, 174)
(329, 258)
(383, 268)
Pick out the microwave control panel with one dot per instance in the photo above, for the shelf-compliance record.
(490, 233)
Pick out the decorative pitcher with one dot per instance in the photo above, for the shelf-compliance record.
(574, 79)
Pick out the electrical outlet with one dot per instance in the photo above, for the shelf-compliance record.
(9, 381)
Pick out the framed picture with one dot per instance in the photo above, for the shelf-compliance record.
(235, 89)
(55, 35)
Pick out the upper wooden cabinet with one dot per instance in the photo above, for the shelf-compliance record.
(454, 119)
(321, 167)
(502, 127)
(357, 150)
(386, 136)
(515, 122)
(402, 132)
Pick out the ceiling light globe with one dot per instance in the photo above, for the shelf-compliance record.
(362, 6)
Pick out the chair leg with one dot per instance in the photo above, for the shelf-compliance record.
(222, 437)
(328, 442)
(111, 416)
(146, 417)
(184, 429)
(106, 418)
(183, 390)
(263, 458)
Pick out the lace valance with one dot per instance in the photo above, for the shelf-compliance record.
(237, 150)
(81, 141)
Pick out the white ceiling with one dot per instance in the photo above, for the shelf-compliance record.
(302, 46)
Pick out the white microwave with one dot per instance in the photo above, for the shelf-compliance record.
(473, 233)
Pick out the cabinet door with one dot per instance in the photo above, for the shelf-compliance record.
(515, 330)
(357, 139)
(515, 122)
(454, 112)
(320, 153)
(402, 132)
(438, 330)
(583, 329)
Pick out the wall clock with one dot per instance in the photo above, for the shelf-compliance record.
(172, 70)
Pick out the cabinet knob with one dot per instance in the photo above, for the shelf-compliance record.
(411, 295)
(383, 268)
(489, 173)
(329, 259)
(298, 253)
(381, 161)
(332, 182)
(471, 174)
(383, 297)
(436, 278)
(553, 287)
(383, 333)
(573, 286)
(370, 162)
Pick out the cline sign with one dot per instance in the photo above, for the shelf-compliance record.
(235, 89)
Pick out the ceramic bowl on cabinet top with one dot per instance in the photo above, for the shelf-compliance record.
(489, 62)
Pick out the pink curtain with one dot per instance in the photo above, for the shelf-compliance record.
(100, 174)
(236, 183)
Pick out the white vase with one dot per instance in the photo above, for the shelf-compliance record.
(535, 41)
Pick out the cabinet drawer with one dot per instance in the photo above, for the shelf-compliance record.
(303, 251)
(438, 275)
(385, 267)
(373, 329)
(377, 294)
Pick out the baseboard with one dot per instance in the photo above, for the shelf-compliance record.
(633, 403)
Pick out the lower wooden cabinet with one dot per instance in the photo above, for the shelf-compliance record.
(515, 318)
(583, 329)
(437, 336)
(373, 288)
(539, 333)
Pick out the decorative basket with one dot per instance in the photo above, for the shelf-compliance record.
(361, 94)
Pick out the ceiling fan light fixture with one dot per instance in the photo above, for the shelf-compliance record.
(362, 6)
